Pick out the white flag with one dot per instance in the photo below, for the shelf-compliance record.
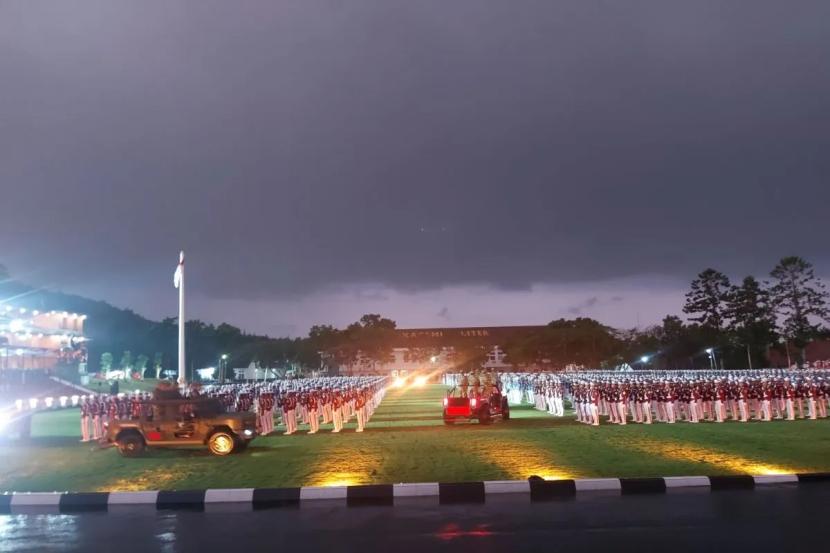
(177, 276)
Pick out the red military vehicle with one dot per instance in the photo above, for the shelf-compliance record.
(485, 407)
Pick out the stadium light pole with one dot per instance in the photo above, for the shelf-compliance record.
(713, 364)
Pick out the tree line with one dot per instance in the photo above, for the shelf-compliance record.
(728, 325)
(741, 322)
(753, 315)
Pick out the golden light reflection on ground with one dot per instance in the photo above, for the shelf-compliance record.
(345, 466)
(146, 480)
(522, 460)
(682, 451)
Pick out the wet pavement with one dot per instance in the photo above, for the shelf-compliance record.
(765, 519)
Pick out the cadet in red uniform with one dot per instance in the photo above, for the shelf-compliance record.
(290, 406)
(337, 413)
(766, 401)
(593, 398)
(692, 399)
(743, 400)
(622, 403)
(266, 414)
(812, 397)
(311, 408)
(670, 398)
(244, 402)
(360, 403)
(112, 409)
(135, 407)
(86, 413)
(98, 410)
(720, 401)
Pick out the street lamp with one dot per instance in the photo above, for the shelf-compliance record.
(223, 363)
(786, 342)
(713, 363)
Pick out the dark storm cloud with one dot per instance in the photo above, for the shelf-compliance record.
(295, 146)
(444, 313)
(583, 306)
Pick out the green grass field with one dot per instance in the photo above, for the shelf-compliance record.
(406, 441)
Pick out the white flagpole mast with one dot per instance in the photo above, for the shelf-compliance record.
(178, 280)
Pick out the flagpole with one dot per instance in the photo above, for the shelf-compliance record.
(182, 366)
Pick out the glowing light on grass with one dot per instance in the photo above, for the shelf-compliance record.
(399, 382)
(554, 476)
(340, 479)
(152, 479)
(420, 381)
(695, 453)
(523, 460)
(346, 466)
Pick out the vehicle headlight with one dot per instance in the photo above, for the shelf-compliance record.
(5, 419)
(248, 432)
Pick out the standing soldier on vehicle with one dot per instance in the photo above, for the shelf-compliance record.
(476, 385)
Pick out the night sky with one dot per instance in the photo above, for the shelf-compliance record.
(445, 163)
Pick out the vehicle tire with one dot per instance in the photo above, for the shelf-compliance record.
(484, 415)
(131, 445)
(449, 421)
(222, 443)
(241, 445)
(505, 410)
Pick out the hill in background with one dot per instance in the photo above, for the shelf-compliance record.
(115, 330)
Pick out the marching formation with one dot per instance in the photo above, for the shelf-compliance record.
(665, 396)
(306, 401)
(671, 396)
(642, 397)
(98, 409)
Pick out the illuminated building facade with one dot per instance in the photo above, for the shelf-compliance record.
(41, 340)
(439, 349)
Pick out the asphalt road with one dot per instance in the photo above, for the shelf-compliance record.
(766, 519)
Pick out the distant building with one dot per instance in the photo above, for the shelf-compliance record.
(437, 349)
(817, 355)
(35, 340)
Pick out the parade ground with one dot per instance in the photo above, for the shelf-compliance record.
(407, 441)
